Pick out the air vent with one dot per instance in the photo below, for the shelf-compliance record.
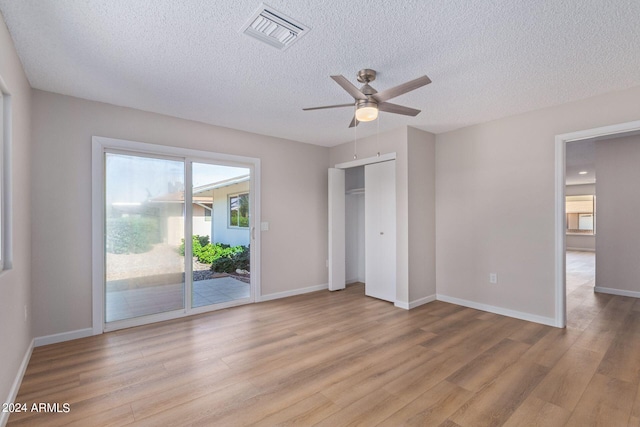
(274, 28)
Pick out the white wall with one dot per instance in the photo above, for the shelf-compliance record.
(577, 241)
(415, 227)
(15, 284)
(294, 249)
(618, 217)
(422, 213)
(222, 232)
(495, 202)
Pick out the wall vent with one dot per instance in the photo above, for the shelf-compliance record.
(274, 28)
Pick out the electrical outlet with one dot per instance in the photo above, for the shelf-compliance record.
(493, 278)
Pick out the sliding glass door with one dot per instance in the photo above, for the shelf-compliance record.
(177, 236)
(144, 228)
(221, 234)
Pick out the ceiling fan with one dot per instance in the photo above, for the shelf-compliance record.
(368, 100)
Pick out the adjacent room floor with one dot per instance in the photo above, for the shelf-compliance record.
(583, 304)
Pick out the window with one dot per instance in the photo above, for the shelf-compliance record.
(239, 210)
(581, 214)
(208, 208)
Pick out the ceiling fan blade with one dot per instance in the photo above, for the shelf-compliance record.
(349, 87)
(397, 109)
(328, 106)
(401, 89)
(354, 122)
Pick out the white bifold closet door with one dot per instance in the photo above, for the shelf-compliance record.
(380, 230)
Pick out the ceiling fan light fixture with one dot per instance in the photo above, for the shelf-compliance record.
(366, 111)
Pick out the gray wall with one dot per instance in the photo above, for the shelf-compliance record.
(575, 241)
(495, 202)
(15, 284)
(294, 249)
(618, 227)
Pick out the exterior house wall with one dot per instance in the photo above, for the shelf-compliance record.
(223, 232)
(202, 224)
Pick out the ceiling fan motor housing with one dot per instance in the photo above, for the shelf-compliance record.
(366, 75)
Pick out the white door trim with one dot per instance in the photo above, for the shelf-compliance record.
(99, 146)
(559, 226)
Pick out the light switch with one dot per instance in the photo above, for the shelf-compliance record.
(264, 226)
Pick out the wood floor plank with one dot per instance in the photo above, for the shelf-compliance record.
(117, 416)
(536, 412)
(483, 369)
(635, 411)
(340, 358)
(550, 348)
(530, 333)
(566, 382)
(605, 402)
(368, 411)
(375, 376)
(191, 411)
(621, 359)
(430, 408)
(306, 412)
(495, 403)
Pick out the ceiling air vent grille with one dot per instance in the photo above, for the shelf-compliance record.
(274, 28)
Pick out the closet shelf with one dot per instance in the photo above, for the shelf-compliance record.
(355, 191)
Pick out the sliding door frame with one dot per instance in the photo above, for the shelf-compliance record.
(102, 145)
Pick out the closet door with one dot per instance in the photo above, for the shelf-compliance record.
(380, 230)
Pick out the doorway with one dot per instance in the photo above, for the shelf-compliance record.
(561, 221)
(581, 221)
(174, 234)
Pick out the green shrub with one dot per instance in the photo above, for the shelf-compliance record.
(208, 253)
(130, 234)
(198, 243)
(238, 258)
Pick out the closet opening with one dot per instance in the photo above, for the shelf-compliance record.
(362, 226)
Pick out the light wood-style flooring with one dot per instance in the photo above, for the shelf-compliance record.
(341, 358)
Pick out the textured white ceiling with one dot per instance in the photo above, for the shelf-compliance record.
(487, 59)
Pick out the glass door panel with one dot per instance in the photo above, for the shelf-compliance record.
(221, 234)
(144, 230)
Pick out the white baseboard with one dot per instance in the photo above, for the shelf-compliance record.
(550, 321)
(621, 292)
(63, 336)
(13, 391)
(293, 292)
(581, 249)
(415, 303)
